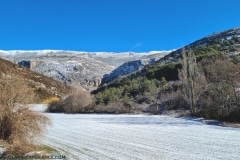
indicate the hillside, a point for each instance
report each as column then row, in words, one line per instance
column 227, row 41
column 126, row 69
column 80, row 68
column 157, row 85
column 43, row 87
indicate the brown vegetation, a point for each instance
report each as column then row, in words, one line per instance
column 19, row 126
column 223, row 100
column 79, row 101
column 212, row 93
column 113, row 108
column 43, row 87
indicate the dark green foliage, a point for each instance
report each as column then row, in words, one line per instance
column 130, row 89
column 234, row 115
column 154, row 86
column 169, row 71
column 205, row 50
column 236, row 59
column 235, row 39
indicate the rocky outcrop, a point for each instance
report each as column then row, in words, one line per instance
column 82, row 68
column 88, row 68
column 125, row 69
column 28, row 63
column 33, row 64
column 78, row 72
column 24, row 63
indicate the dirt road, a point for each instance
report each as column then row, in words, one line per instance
column 140, row 137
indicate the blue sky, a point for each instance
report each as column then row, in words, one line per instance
column 112, row 25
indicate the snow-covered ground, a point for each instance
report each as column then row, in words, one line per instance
column 38, row 107
column 90, row 136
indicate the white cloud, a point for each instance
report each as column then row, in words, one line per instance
column 138, row 44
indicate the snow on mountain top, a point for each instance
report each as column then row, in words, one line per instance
column 87, row 67
column 39, row 52
column 163, row 51
column 48, row 51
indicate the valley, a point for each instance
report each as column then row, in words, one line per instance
column 85, row 69
column 120, row 80
column 124, row 88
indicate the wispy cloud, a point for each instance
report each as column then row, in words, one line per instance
column 138, row 44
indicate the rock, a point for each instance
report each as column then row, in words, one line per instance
column 125, row 69
column 82, row 68
column 1, row 149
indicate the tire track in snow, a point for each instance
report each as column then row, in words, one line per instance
column 140, row 137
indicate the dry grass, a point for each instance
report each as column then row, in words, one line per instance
column 44, row 86
column 19, row 126
column 46, row 149
column 228, row 124
column 50, row 100
column 114, row 107
column 79, row 101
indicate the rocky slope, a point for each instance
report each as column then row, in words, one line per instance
column 43, row 86
column 226, row 42
column 90, row 69
column 224, row 39
column 125, row 69
column 82, row 68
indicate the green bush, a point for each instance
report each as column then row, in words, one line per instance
column 234, row 115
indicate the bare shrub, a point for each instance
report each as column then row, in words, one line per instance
column 79, row 101
column 221, row 101
column 174, row 101
column 192, row 81
column 56, row 107
column 169, row 101
column 114, row 107
column 50, row 100
column 19, row 126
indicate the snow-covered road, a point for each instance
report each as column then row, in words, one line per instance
column 90, row 136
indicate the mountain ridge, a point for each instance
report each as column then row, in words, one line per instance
column 90, row 69
column 209, row 39
column 77, row 68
